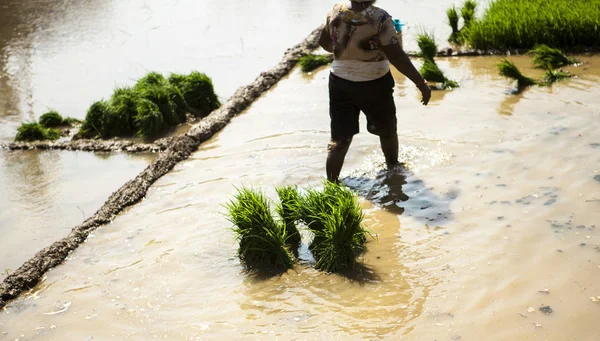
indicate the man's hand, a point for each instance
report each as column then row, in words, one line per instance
column 425, row 92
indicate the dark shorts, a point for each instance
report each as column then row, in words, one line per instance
column 374, row 98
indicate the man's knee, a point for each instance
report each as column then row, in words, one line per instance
column 339, row 144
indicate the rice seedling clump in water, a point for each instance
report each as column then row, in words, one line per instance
column 287, row 209
column 311, row 62
column 544, row 56
column 262, row 240
column 552, row 76
column 430, row 70
column 335, row 218
column 28, row 132
column 509, row 70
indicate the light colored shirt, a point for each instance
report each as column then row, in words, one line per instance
column 358, row 38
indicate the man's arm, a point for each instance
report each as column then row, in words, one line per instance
column 325, row 40
column 400, row 60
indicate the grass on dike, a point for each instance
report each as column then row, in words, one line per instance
column 511, row 24
column 262, row 240
column 151, row 106
column 311, row 62
column 34, row 131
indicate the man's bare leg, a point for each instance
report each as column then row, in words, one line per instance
column 389, row 147
column 337, row 150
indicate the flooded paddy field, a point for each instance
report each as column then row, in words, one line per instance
column 491, row 233
column 65, row 54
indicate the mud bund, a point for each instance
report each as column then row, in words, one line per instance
column 174, row 150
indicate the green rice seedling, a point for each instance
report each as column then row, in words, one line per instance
column 512, row 24
column 123, row 104
column 468, row 13
column 287, row 209
column 148, row 121
column 509, row 70
column 552, row 76
column 34, row 131
column 431, row 71
column 427, row 45
column 311, row 62
column 93, row 125
column 160, row 95
column 544, row 56
column 51, row 119
column 453, row 18
column 449, row 84
column 70, row 121
column 262, row 241
column 198, row 92
column 151, row 78
column 335, row 218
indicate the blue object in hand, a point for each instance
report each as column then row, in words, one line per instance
column 398, row 25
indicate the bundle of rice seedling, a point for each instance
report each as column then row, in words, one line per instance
column 543, row 55
column 287, row 209
column 335, row 218
column 431, row 72
column 123, row 103
column 33, row 131
column 51, row 119
column 552, row 76
column 509, row 70
column 198, row 92
column 427, row 45
column 468, row 13
column 93, row 125
column 149, row 121
column 262, row 241
column 453, row 19
column 311, row 62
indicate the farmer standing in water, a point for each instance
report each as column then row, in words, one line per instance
column 363, row 40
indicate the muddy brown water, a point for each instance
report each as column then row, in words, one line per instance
column 66, row 54
column 496, row 217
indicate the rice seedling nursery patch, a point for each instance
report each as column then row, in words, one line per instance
column 332, row 215
column 514, row 24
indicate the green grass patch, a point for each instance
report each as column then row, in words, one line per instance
column 453, row 19
column 34, row 131
column 335, row 218
column 545, row 56
column 512, row 24
column 151, row 107
column 311, row 62
column 262, row 240
column 509, row 70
